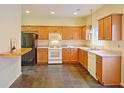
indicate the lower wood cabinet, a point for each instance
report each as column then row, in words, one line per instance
column 42, row 55
column 108, row 70
column 80, row 56
column 69, row 55
column 83, row 58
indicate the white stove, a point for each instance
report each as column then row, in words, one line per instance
column 55, row 55
column 55, row 50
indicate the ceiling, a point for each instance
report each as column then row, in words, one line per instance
column 61, row 10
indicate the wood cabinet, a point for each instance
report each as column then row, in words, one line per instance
column 68, row 32
column 43, row 33
column 42, row 55
column 30, row 28
column 66, row 55
column 85, row 32
column 101, row 29
column 69, row 55
column 71, row 33
column 80, row 55
column 110, row 27
column 55, row 29
column 74, row 54
column 83, row 58
column 108, row 70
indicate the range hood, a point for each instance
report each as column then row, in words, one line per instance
column 55, row 36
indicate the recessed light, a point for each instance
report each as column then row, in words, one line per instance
column 52, row 12
column 75, row 13
column 27, row 11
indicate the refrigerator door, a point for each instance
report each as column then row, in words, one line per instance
column 28, row 41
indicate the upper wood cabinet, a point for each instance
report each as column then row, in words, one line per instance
column 110, row 27
column 43, row 33
column 30, row 28
column 55, row 29
column 68, row 32
column 71, row 33
column 101, row 29
column 85, row 32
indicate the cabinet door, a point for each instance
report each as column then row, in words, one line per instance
column 76, row 33
column 108, row 28
column 42, row 56
column 30, row 28
column 67, row 33
column 99, row 70
column 83, row 33
column 55, row 29
column 101, row 29
column 66, row 55
column 43, row 33
column 74, row 54
column 25, row 28
column 85, row 59
column 80, row 55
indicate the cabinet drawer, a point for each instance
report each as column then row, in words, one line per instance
column 98, row 58
column 42, row 49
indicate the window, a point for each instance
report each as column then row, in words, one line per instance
column 95, row 40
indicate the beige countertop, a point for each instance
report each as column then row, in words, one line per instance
column 103, row 53
column 18, row 52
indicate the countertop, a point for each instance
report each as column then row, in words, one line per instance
column 18, row 52
column 103, row 53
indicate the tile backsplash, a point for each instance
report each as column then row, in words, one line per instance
column 112, row 45
column 109, row 45
column 45, row 43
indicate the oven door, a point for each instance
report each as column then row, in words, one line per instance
column 55, row 54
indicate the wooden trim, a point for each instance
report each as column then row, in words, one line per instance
column 49, row 26
column 110, row 15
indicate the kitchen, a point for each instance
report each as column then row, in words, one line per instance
column 80, row 38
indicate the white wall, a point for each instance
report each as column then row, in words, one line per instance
column 112, row 45
column 10, row 24
column 51, row 21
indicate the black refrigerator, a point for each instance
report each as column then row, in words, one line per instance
column 28, row 40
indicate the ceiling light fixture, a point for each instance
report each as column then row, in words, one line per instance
column 27, row 11
column 75, row 13
column 52, row 12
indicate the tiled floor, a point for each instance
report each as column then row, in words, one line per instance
column 55, row 76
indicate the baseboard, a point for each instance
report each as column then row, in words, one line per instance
column 14, row 79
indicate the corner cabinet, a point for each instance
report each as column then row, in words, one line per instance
column 85, row 32
column 83, row 58
column 108, row 70
column 110, row 27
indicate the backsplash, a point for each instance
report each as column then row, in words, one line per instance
column 108, row 45
column 45, row 43
column 112, row 45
